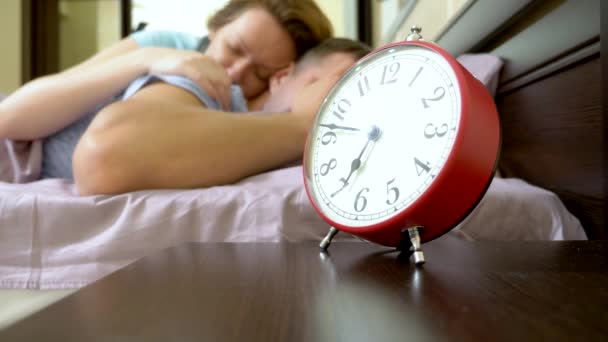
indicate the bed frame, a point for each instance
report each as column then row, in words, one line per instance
column 549, row 97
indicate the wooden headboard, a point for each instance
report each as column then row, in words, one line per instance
column 550, row 102
column 552, row 137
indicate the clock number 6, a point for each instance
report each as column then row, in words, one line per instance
column 435, row 132
column 328, row 166
column 439, row 94
column 361, row 201
column 393, row 190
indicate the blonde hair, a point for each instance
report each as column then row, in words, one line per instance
column 302, row 19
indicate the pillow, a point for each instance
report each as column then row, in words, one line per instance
column 485, row 67
column 514, row 210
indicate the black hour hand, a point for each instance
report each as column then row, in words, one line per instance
column 354, row 166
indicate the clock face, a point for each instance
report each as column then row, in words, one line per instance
column 382, row 135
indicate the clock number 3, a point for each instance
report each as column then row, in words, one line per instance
column 328, row 166
column 439, row 94
column 435, row 132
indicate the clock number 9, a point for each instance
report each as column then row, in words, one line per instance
column 329, row 137
column 439, row 92
column 393, row 190
column 435, row 132
column 361, row 201
column 328, row 166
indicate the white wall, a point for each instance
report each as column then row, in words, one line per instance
column 179, row 15
column 432, row 16
column 108, row 23
column 10, row 36
column 191, row 15
column 335, row 12
column 86, row 27
column 77, row 31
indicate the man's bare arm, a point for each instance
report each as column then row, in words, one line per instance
column 164, row 138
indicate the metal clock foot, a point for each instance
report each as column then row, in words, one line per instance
column 416, row 248
column 324, row 245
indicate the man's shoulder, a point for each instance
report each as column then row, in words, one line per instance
column 239, row 103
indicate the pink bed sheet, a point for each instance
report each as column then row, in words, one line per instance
column 20, row 162
column 52, row 238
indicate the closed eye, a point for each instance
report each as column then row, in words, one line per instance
column 262, row 76
column 235, row 49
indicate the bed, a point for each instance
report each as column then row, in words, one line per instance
column 550, row 182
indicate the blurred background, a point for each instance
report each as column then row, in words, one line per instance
column 46, row 36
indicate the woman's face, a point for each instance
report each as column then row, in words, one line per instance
column 252, row 48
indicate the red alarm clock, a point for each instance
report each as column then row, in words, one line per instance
column 403, row 147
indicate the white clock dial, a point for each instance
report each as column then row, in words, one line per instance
column 383, row 135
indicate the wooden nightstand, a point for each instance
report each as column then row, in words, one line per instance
column 473, row 291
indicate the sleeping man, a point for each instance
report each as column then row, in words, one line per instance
column 168, row 133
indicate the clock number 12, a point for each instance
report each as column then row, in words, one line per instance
column 394, row 69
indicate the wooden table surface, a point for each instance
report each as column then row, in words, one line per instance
column 467, row 291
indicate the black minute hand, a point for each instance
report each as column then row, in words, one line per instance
column 334, row 126
column 373, row 134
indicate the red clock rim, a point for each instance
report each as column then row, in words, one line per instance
column 401, row 217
